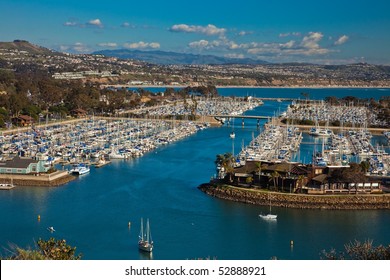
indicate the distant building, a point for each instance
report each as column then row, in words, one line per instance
column 78, row 113
column 23, row 120
column 19, row 165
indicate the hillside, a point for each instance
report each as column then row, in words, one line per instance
column 162, row 57
column 22, row 45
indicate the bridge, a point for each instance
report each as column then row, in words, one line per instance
column 241, row 117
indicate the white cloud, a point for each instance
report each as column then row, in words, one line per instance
column 342, row 40
column 108, row 45
column 311, row 41
column 288, row 45
column 80, row 47
column 128, row 25
column 95, row 22
column 70, row 23
column 243, row 33
column 202, row 44
column 288, row 34
column 154, row 45
column 75, row 48
column 210, row 30
column 64, row 48
column 142, row 45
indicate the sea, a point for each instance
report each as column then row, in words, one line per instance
column 99, row 213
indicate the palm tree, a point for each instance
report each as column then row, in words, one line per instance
column 225, row 161
column 300, row 180
column 274, row 176
column 365, row 166
column 258, row 166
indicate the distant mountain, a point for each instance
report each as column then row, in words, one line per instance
column 162, row 57
column 22, row 45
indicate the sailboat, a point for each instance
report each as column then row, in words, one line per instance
column 145, row 242
column 269, row 216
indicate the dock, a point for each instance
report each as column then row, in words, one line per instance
column 101, row 164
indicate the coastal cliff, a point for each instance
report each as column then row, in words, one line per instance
column 332, row 202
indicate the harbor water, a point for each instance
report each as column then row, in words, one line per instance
column 100, row 212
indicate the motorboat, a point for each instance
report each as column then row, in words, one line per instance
column 51, row 229
column 80, row 169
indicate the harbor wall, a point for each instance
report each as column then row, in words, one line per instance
column 45, row 180
column 302, row 201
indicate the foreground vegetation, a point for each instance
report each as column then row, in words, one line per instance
column 51, row 249
column 358, row 250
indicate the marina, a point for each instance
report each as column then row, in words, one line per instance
column 162, row 185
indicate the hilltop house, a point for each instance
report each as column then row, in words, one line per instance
column 19, row 165
column 23, row 120
column 78, row 113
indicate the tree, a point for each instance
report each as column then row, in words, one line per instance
column 258, row 168
column 249, row 180
column 300, row 181
column 51, row 249
column 275, row 178
column 365, row 166
column 226, row 161
column 359, row 251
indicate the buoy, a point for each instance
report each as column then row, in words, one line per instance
column 291, row 242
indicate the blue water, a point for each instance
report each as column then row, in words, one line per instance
column 93, row 212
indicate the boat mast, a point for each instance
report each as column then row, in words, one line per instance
column 147, row 230
column 142, row 229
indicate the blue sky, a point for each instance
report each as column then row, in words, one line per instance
column 326, row 32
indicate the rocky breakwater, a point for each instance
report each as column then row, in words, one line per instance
column 333, row 202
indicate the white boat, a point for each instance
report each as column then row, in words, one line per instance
column 6, row 186
column 51, row 229
column 232, row 135
column 117, row 155
column 80, row 169
column 145, row 242
column 268, row 216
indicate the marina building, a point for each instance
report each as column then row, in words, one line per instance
column 19, row 165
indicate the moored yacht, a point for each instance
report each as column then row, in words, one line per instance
column 80, row 169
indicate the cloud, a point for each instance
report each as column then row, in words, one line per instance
column 70, row 23
column 75, row 48
column 222, row 44
column 308, row 46
column 95, row 22
column 243, row 33
column 311, row 41
column 202, row 44
column 296, row 34
column 342, row 40
column 127, row 25
column 108, row 45
column 209, row 30
column 142, row 45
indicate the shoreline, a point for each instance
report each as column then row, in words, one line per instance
column 299, row 201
